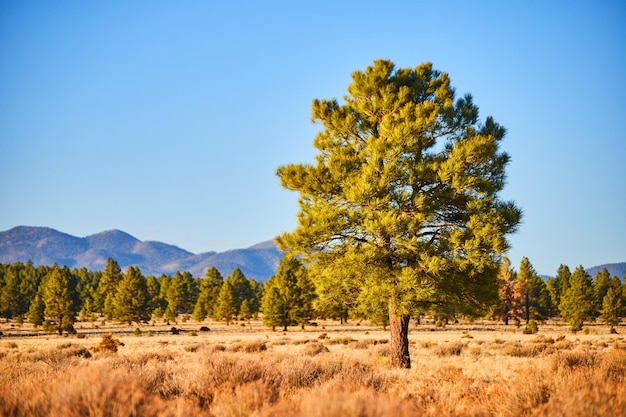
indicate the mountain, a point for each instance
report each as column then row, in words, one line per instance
column 616, row 270
column 45, row 246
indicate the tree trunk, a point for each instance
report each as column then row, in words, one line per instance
column 399, row 326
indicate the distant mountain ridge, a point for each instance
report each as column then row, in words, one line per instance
column 46, row 246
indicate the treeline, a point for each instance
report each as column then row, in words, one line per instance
column 574, row 296
column 55, row 297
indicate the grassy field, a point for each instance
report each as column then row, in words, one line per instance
column 479, row 369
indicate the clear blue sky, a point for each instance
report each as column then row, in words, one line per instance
column 168, row 119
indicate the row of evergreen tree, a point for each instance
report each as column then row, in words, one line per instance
column 55, row 297
column 575, row 297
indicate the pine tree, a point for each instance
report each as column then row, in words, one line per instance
column 241, row 289
column 600, row 288
column 10, row 293
column 36, row 311
column 611, row 307
column 577, row 302
column 404, row 195
column 107, row 287
column 563, row 275
column 226, row 307
column 131, row 298
column 273, row 307
column 59, row 296
column 510, row 292
column 535, row 296
column 293, row 295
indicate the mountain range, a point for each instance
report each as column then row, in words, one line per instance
column 46, row 246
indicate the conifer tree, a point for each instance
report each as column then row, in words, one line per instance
column 577, row 302
column 59, row 297
column 600, row 288
column 563, row 275
column 535, row 296
column 10, row 293
column 111, row 276
column 290, row 293
column 510, row 292
column 611, row 307
column 209, row 289
column 226, row 307
column 36, row 311
column 131, row 298
column 405, row 188
column 273, row 307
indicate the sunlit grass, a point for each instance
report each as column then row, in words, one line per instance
column 329, row 370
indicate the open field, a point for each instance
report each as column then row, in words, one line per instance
column 479, row 369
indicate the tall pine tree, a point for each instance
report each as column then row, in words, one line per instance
column 405, row 188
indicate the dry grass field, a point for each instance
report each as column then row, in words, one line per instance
column 479, row 369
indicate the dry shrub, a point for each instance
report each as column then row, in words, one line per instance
column 341, row 340
column 88, row 392
column 451, row 349
column 313, row 349
column 248, row 347
column 573, row 360
column 341, row 399
column 526, row 350
column 108, row 344
column 242, row 401
column 587, row 384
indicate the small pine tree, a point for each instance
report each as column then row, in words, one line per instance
column 59, row 294
column 131, row 299
column 36, row 311
column 244, row 311
column 577, row 301
column 273, row 307
column 226, row 308
column 611, row 307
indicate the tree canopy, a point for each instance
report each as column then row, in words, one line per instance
column 403, row 195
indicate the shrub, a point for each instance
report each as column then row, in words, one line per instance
column 248, row 347
column 108, row 344
column 452, row 349
column 341, row 341
column 531, row 327
column 313, row 349
column 137, row 332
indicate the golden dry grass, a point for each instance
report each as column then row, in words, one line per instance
column 329, row 370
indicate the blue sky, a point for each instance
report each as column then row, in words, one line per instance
column 168, row 119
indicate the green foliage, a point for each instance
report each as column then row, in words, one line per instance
column 107, row 287
column 131, row 298
column 577, row 304
column 405, row 186
column 59, row 297
column 535, row 295
column 531, row 327
column 600, row 288
column 36, row 311
column 226, row 308
column 288, row 296
column 209, row 289
column 612, row 303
